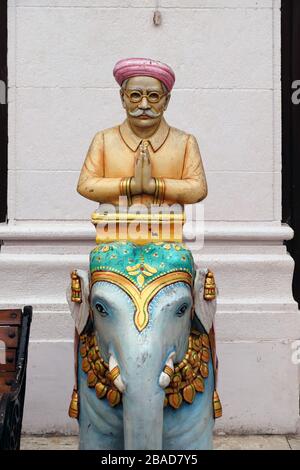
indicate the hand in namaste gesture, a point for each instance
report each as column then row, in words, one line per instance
column 142, row 182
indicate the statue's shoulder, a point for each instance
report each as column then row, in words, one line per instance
column 109, row 132
column 179, row 134
column 106, row 137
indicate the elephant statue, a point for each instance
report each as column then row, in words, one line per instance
column 146, row 365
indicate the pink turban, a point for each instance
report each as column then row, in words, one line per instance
column 133, row 67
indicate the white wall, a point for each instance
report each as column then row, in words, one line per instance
column 62, row 55
column 226, row 55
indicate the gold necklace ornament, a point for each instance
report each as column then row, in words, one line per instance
column 187, row 379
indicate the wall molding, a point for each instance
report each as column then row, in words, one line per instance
column 259, row 232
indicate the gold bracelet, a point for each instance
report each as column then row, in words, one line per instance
column 128, row 190
column 163, row 190
column 155, row 191
column 125, row 189
column 159, row 193
column 122, row 187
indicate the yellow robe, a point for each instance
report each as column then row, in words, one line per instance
column 174, row 156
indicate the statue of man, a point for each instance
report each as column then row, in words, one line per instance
column 143, row 277
column 143, row 158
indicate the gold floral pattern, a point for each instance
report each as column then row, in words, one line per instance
column 141, row 270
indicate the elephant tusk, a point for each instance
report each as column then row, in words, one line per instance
column 115, row 374
column 167, row 373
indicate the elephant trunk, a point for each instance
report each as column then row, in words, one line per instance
column 143, row 420
column 143, row 405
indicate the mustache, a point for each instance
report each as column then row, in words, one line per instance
column 146, row 112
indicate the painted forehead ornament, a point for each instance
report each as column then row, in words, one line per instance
column 141, row 270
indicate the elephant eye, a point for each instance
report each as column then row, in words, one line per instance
column 181, row 311
column 101, row 309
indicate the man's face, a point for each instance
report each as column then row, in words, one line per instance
column 144, row 111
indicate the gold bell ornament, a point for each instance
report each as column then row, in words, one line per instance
column 75, row 288
column 209, row 287
column 74, row 405
column 217, row 405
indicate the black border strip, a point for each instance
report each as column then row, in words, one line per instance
column 290, row 33
column 3, row 112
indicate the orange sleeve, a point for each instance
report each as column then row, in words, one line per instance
column 192, row 187
column 92, row 184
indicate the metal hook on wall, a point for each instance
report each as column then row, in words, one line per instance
column 157, row 18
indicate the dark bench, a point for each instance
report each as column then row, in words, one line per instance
column 14, row 333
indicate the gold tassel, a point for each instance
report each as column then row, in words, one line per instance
column 76, row 288
column 74, row 405
column 217, row 405
column 209, row 287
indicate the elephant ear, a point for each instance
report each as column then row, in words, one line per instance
column 205, row 310
column 80, row 311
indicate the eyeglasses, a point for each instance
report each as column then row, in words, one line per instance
column 136, row 96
